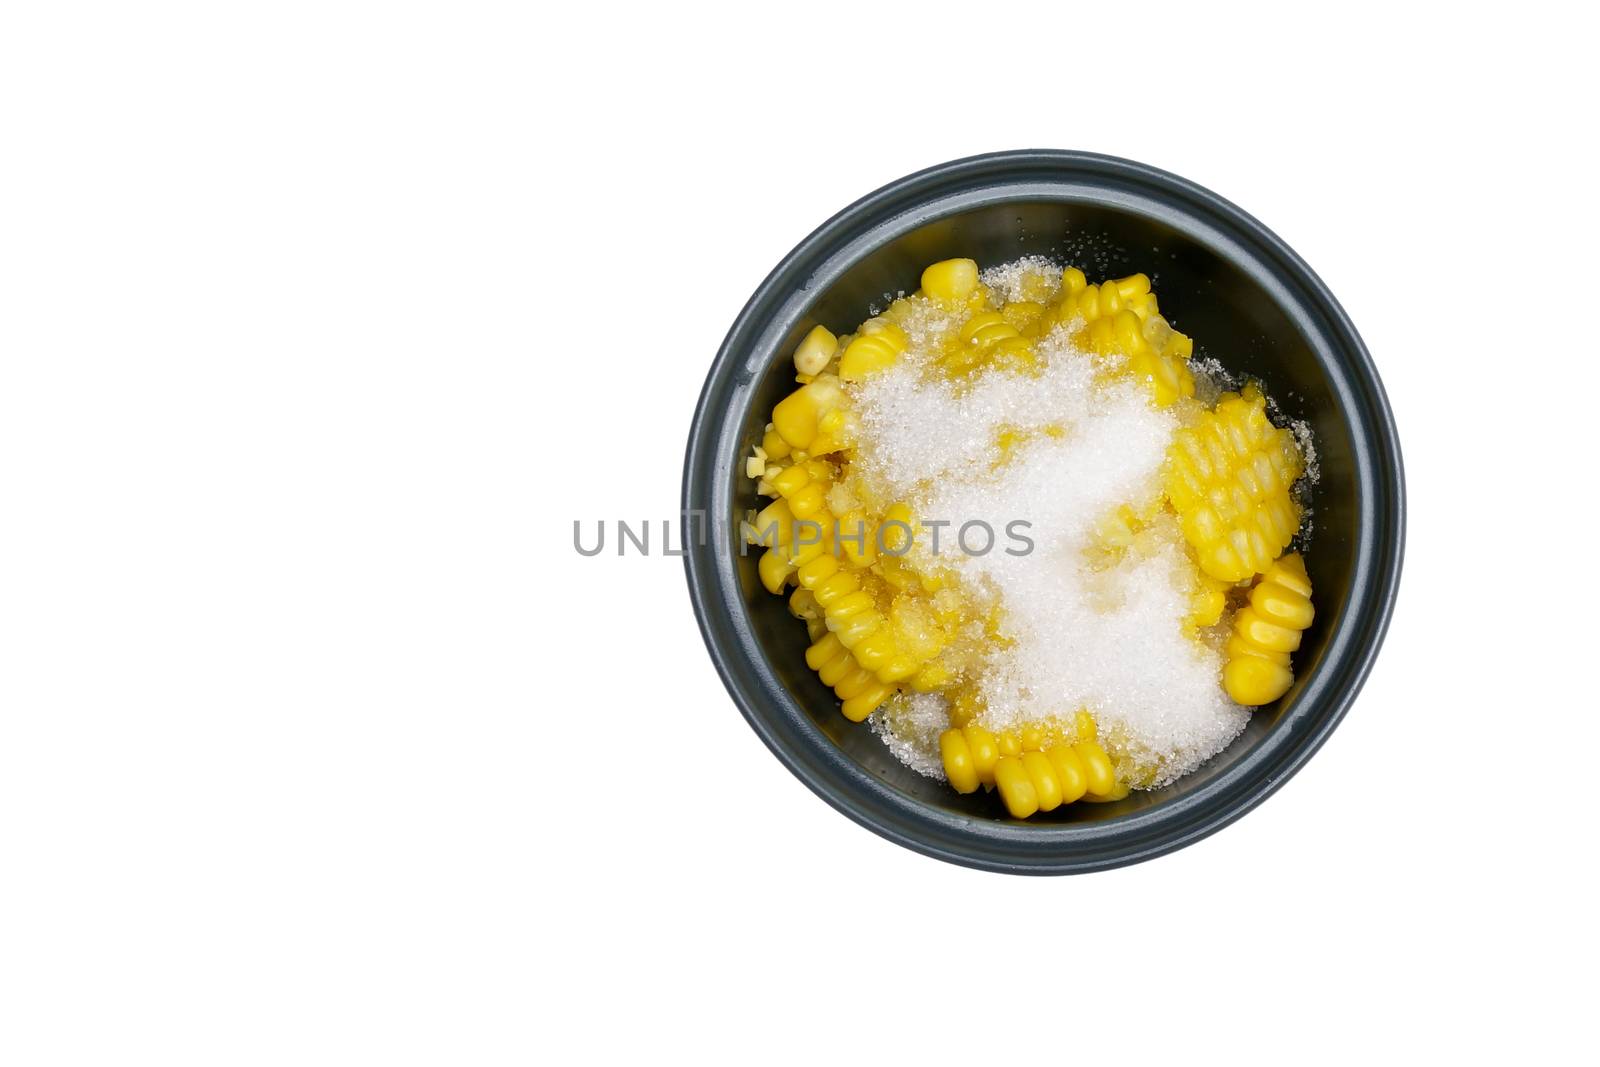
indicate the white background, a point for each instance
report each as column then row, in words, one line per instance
column 322, row 322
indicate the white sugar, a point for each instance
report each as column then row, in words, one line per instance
column 1308, row 450
column 1111, row 639
column 909, row 726
column 1008, row 281
column 1211, row 379
column 1113, row 643
column 919, row 428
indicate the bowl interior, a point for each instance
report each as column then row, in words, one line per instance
column 1232, row 316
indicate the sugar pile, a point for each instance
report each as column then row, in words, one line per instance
column 909, row 726
column 1108, row 639
column 917, row 429
column 1010, row 281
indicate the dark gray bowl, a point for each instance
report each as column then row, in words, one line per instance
column 1224, row 279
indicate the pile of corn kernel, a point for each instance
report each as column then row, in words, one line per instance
column 1133, row 596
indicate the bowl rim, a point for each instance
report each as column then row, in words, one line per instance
column 1022, row 176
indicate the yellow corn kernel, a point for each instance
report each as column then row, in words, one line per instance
column 898, row 669
column 875, row 650
column 1102, row 778
column 1253, row 681
column 1117, row 792
column 1072, row 775
column 863, row 704
column 810, row 503
column 837, row 584
column 836, row 430
column 895, row 573
column 840, row 585
column 1237, row 646
column 933, row 677
column 989, row 340
column 857, row 543
column 803, row 605
column 959, row 766
column 818, row 571
column 1041, row 772
column 901, row 667
column 774, row 569
column 811, row 541
column 950, row 281
column 852, row 604
column 1026, row 317
column 773, row 525
column 855, row 628
column 1117, row 528
column 1229, row 478
column 837, row 669
column 823, row 651
column 1131, row 286
column 773, row 444
column 969, row 755
column 854, row 684
column 1283, row 593
column 796, row 415
column 819, row 469
column 897, row 530
column 1266, row 632
column 1206, row 604
column 985, row 328
column 791, row 480
column 871, row 352
column 815, row 351
column 1017, row 788
column 1288, row 574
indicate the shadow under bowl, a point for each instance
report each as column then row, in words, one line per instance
column 1222, row 278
